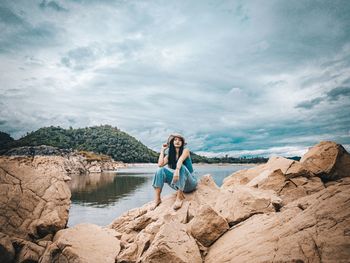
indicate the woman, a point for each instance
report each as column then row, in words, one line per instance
column 179, row 174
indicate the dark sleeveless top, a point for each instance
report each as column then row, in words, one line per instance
column 188, row 163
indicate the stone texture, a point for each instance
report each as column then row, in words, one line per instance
column 173, row 244
column 289, row 179
column 240, row 202
column 314, row 228
column 34, row 202
column 34, row 196
column 328, row 160
column 208, row 225
column 7, row 251
column 83, row 243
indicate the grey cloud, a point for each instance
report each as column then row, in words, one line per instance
column 338, row 92
column 224, row 73
column 52, row 5
column 310, row 103
column 9, row 17
column 29, row 36
column 79, row 58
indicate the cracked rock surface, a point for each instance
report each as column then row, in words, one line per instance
column 280, row 211
column 34, row 202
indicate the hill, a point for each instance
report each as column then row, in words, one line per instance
column 103, row 139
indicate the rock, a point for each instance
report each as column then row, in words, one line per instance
column 44, row 150
column 328, row 160
column 288, row 178
column 289, row 169
column 140, row 225
column 314, row 228
column 28, row 251
column 83, row 243
column 133, row 251
column 75, row 162
column 287, row 189
column 208, row 225
column 240, row 202
column 7, row 251
column 173, row 244
column 34, row 202
column 34, row 196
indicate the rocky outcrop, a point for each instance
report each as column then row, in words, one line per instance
column 327, row 160
column 43, row 150
column 276, row 212
column 314, row 228
column 173, row 244
column 83, row 243
column 289, row 179
column 281, row 211
column 34, row 203
column 76, row 162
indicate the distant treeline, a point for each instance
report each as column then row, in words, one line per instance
column 103, row 139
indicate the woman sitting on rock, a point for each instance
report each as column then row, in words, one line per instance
column 179, row 174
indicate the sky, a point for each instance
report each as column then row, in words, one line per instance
column 242, row 78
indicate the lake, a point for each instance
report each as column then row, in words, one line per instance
column 99, row 198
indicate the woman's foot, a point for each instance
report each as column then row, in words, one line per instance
column 178, row 203
column 155, row 204
column 179, row 200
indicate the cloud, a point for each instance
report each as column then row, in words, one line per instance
column 338, row 92
column 52, row 5
column 332, row 95
column 286, row 151
column 231, row 76
column 309, row 104
column 9, row 17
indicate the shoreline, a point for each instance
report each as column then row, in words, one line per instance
column 202, row 164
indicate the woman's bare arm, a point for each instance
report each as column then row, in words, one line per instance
column 165, row 161
column 161, row 159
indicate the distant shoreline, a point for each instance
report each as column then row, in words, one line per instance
column 218, row 164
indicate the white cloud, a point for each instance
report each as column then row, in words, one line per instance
column 227, row 73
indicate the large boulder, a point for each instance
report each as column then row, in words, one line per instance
column 328, row 160
column 173, row 244
column 34, row 202
column 139, row 226
column 289, row 168
column 208, row 225
column 314, row 228
column 289, row 179
column 34, row 196
column 83, row 243
column 240, row 202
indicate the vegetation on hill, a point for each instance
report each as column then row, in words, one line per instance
column 5, row 140
column 102, row 141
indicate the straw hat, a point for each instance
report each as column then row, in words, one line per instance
column 171, row 136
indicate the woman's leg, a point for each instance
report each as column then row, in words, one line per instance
column 181, row 185
column 161, row 176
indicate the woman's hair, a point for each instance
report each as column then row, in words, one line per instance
column 172, row 153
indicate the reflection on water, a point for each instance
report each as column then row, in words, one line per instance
column 104, row 188
column 101, row 197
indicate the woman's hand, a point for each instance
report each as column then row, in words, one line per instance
column 175, row 176
column 165, row 146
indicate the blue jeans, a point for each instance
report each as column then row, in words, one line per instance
column 187, row 182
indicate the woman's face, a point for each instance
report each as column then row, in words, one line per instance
column 177, row 142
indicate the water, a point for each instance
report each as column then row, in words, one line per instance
column 99, row 198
